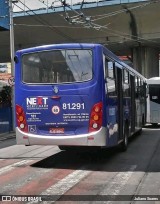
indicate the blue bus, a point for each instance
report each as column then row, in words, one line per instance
column 76, row 95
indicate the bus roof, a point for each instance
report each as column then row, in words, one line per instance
column 153, row 80
column 59, row 46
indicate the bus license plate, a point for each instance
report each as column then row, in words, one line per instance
column 56, row 130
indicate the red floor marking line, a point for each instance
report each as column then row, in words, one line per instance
column 6, row 162
column 12, row 175
column 65, row 184
column 13, row 166
column 88, row 186
column 37, row 186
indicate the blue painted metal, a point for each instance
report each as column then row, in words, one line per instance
column 4, row 15
column 5, row 119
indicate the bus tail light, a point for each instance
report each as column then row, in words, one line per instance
column 95, row 122
column 21, row 119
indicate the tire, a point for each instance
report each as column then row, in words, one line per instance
column 124, row 144
column 143, row 121
column 154, row 124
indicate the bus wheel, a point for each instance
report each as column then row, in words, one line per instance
column 143, row 121
column 124, row 144
column 154, row 124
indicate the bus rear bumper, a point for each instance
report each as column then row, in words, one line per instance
column 97, row 138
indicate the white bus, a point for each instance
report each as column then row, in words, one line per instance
column 153, row 100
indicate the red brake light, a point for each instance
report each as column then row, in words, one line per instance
column 97, row 108
column 95, row 122
column 96, row 117
column 21, row 119
column 19, row 109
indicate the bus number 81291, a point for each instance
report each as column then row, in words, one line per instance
column 106, row 97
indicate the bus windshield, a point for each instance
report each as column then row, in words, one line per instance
column 57, row 66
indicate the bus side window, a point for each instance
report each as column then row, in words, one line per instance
column 110, row 77
column 125, row 76
column 141, row 88
column 136, row 87
column 126, row 83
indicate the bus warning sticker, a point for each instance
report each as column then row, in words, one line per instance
column 55, row 110
column 32, row 128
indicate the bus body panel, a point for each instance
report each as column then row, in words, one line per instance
column 112, row 122
column 69, row 112
column 154, row 112
column 92, row 139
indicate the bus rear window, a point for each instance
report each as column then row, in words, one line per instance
column 154, row 92
column 57, row 66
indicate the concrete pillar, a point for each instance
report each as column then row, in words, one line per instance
column 146, row 61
